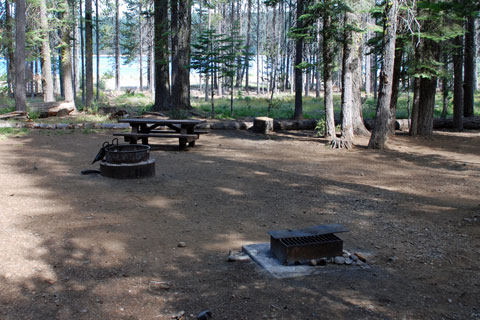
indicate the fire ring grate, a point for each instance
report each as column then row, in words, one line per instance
column 315, row 242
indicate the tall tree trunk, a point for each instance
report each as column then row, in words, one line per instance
column 468, row 86
column 180, row 97
column 397, row 67
column 58, row 76
column 258, row 47
column 428, row 88
column 140, row 35
column 375, row 77
column 117, row 45
column 382, row 124
column 161, row 55
column 357, row 119
column 328, row 66
column 9, row 41
column 368, row 69
column 46, row 57
column 445, row 86
column 458, row 83
column 151, row 68
column 66, row 52
column 221, row 29
column 415, row 107
column 317, row 68
column 247, row 49
column 350, row 64
column 88, row 53
column 207, row 74
column 307, row 74
column 232, row 26
column 97, row 38
column 298, row 113
column 82, row 50
column 74, row 51
column 20, row 84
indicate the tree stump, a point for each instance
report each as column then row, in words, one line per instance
column 263, row 125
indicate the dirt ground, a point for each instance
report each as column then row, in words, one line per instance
column 87, row 247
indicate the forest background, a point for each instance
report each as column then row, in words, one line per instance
column 331, row 60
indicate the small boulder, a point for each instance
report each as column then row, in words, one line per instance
column 158, row 285
column 339, row 260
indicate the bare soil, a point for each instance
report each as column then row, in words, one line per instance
column 87, row 247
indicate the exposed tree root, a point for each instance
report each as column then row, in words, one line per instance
column 339, row 143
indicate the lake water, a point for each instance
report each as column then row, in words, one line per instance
column 129, row 73
column 107, row 65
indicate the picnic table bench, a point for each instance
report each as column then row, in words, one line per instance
column 144, row 128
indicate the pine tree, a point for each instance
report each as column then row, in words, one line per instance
column 383, row 118
column 20, row 86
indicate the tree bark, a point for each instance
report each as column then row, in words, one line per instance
column 97, row 38
column 328, row 65
column 458, row 107
column 247, row 49
column 382, row 124
column 428, row 88
column 207, row 91
column 161, row 55
column 180, row 97
column 415, row 107
column 82, row 50
column 140, row 35
column 468, row 86
column 47, row 80
column 20, row 85
column 117, row 45
column 66, row 53
column 358, row 123
column 9, row 41
column 258, row 47
column 445, row 86
column 88, row 53
column 151, row 68
column 350, row 63
column 298, row 113
column 397, row 67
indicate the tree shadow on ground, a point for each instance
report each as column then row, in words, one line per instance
column 102, row 241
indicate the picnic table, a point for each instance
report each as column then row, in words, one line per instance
column 144, row 128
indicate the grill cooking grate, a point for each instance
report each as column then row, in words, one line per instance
column 311, row 243
column 298, row 241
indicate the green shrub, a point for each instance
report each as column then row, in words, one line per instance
column 33, row 115
column 320, row 127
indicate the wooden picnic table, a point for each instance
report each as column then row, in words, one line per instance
column 144, row 128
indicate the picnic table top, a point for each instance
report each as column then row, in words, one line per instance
column 160, row 121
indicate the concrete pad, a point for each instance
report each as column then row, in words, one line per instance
column 260, row 253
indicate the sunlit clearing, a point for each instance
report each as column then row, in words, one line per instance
column 229, row 191
column 260, row 173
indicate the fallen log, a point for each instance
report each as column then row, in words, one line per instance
column 472, row 123
column 294, row 124
column 62, row 109
column 13, row 115
column 400, row 124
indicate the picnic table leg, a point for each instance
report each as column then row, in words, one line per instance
column 182, row 143
column 132, row 140
column 190, row 130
